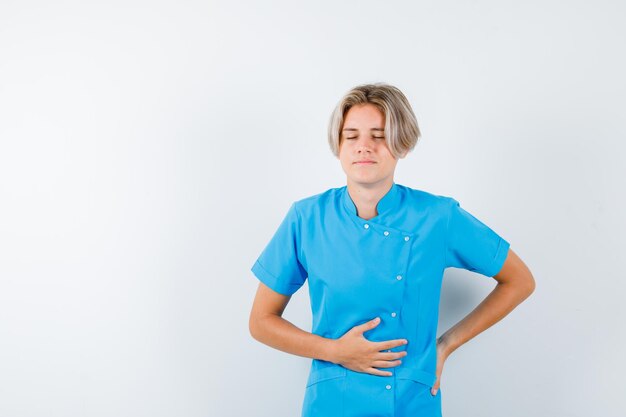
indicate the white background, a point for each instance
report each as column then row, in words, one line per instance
column 149, row 150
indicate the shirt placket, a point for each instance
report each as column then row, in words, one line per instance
column 398, row 243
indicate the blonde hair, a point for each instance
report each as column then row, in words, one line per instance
column 401, row 129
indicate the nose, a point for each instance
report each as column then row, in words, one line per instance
column 363, row 145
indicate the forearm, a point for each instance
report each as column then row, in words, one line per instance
column 500, row 302
column 275, row 331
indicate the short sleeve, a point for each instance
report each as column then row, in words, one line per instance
column 471, row 244
column 278, row 266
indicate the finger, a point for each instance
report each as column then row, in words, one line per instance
column 375, row 371
column 387, row 364
column 361, row 328
column 389, row 344
column 435, row 387
column 389, row 356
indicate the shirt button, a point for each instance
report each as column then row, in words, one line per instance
column 366, row 226
column 393, row 314
column 399, row 277
column 388, row 387
column 406, row 238
column 386, row 233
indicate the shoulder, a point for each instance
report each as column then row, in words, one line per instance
column 423, row 199
column 313, row 203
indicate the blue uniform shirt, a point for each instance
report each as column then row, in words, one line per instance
column 391, row 267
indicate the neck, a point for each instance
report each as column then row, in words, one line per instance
column 366, row 196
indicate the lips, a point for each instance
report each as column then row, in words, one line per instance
column 364, row 162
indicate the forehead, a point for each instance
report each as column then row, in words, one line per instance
column 364, row 116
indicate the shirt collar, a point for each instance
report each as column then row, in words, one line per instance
column 388, row 203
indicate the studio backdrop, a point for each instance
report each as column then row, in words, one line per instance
column 149, row 150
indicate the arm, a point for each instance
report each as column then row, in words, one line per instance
column 515, row 284
column 352, row 350
column 267, row 326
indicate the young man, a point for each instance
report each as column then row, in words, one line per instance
column 374, row 253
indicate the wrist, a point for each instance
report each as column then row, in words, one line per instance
column 445, row 344
column 329, row 350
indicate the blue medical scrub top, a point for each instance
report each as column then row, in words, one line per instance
column 391, row 267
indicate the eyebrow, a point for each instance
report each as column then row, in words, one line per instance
column 374, row 128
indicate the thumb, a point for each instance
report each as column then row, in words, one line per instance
column 435, row 387
column 369, row 325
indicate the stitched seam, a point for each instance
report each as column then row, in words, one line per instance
column 295, row 207
column 299, row 231
column 445, row 243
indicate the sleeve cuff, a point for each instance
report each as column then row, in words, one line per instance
column 498, row 261
column 271, row 281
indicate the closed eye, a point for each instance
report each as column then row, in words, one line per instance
column 375, row 137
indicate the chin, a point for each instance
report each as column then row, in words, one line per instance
column 365, row 179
